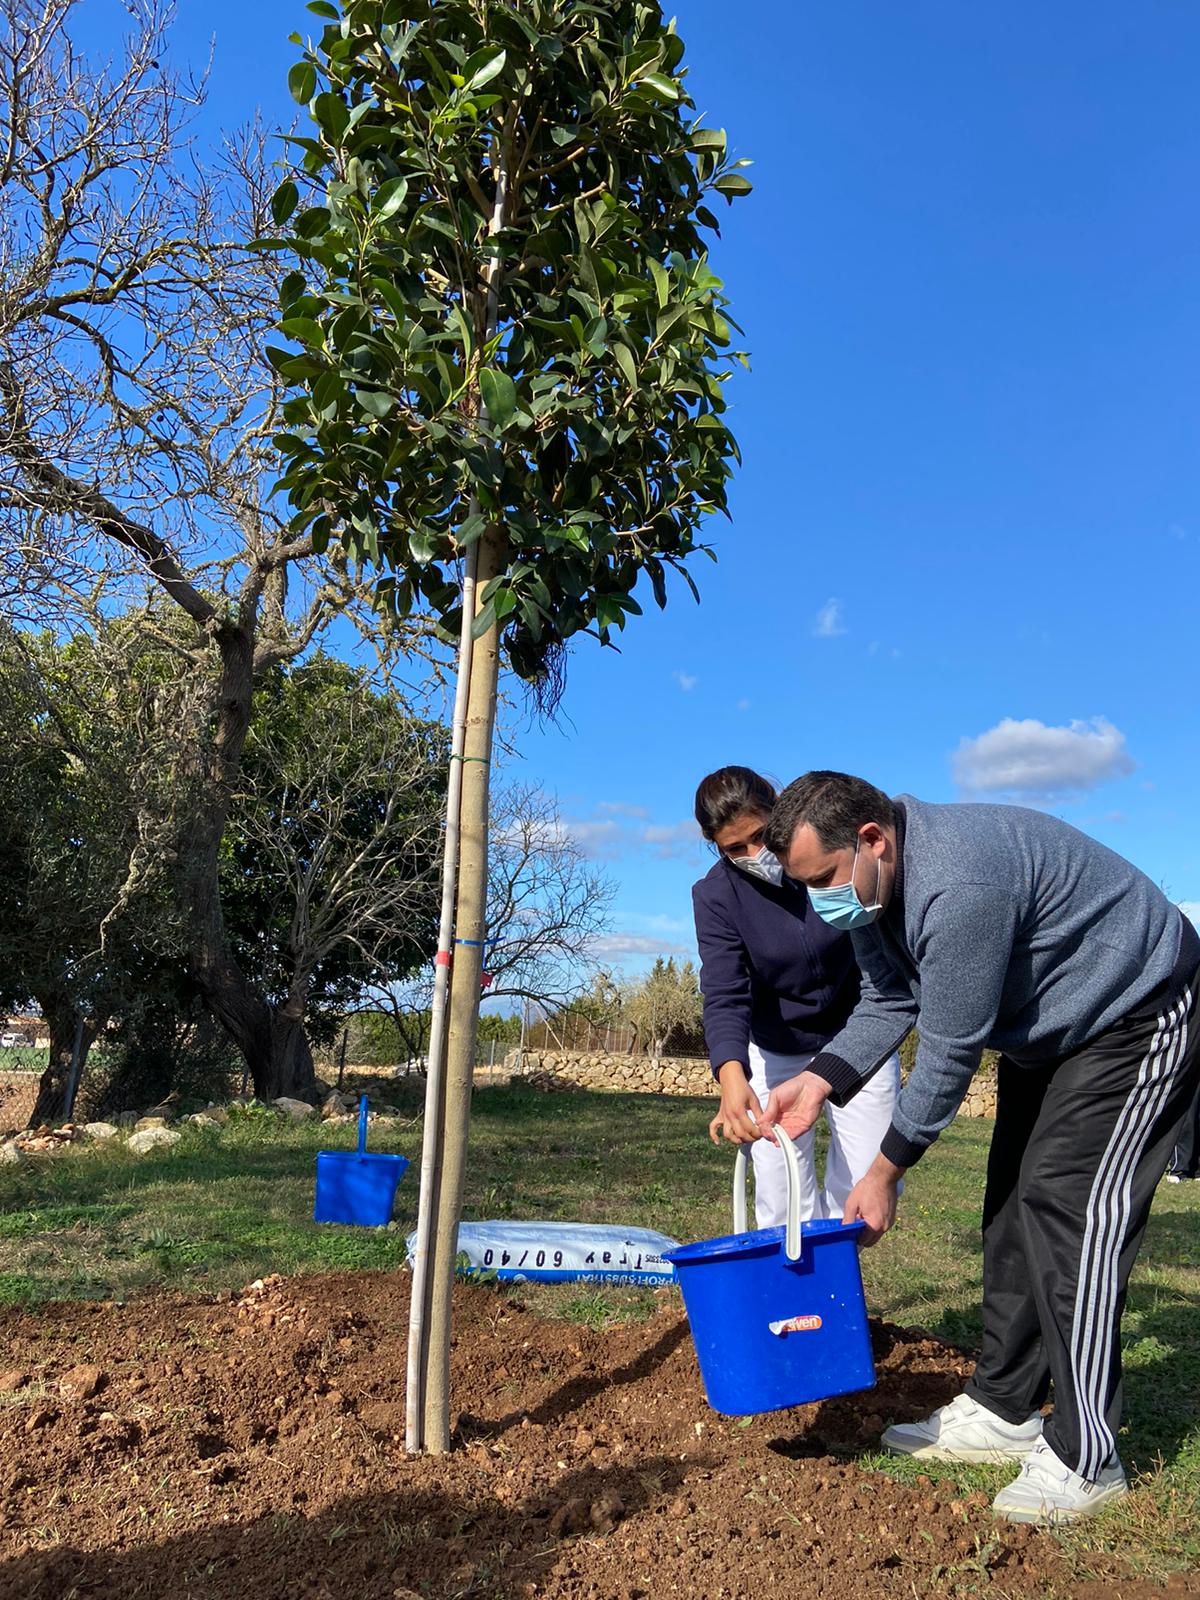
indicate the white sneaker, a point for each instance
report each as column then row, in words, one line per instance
column 1047, row 1492
column 964, row 1430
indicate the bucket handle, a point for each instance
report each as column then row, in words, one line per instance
column 362, row 1125
column 792, row 1242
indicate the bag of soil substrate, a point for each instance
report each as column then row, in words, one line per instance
column 561, row 1252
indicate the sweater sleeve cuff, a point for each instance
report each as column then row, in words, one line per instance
column 841, row 1077
column 901, row 1150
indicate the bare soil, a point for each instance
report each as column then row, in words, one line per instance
column 252, row 1448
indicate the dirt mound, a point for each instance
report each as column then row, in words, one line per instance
column 252, row 1448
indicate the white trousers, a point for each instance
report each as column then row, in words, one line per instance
column 855, row 1133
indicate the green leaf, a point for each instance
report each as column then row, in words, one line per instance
column 332, row 114
column 499, row 396
column 623, row 356
column 284, row 201
column 478, row 72
column 388, row 199
column 374, row 401
column 707, row 139
column 303, row 330
column 662, row 283
column 322, row 8
column 732, row 183
column 302, row 81
column 663, row 86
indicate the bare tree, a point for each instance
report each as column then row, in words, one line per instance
column 137, row 411
column 548, row 904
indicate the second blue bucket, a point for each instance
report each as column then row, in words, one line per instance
column 777, row 1315
column 357, row 1187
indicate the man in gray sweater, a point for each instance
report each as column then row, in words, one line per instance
column 984, row 925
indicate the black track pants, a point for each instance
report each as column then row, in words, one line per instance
column 1186, row 1160
column 1078, row 1150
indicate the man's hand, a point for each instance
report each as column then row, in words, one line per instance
column 795, row 1105
column 873, row 1199
column 738, row 1101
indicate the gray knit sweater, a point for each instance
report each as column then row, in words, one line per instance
column 1007, row 928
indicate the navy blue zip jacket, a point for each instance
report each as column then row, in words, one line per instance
column 770, row 970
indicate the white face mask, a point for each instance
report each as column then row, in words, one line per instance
column 763, row 864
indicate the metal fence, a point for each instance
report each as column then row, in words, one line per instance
column 21, row 1070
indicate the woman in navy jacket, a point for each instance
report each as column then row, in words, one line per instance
column 778, row 983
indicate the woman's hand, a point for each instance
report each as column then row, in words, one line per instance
column 795, row 1105
column 739, row 1107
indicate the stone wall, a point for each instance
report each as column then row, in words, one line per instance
column 545, row 1069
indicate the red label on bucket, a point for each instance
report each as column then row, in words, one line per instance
column 807, row 1324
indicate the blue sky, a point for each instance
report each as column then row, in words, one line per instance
column 965, row 544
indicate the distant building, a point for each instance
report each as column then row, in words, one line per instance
column 28, row 1031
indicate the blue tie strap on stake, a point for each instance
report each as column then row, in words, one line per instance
column 777, row 1315
column 356, row 1187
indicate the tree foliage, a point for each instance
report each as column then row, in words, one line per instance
column 505, row 316
column 329, row 869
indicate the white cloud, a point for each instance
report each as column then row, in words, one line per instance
column 1191, row 910
column 614, row 946
column 596, row 838
column 672, row 840
column 619, row 808
column 660, row 922
column 829, row 622
column 1029, row 759
column 685, row 681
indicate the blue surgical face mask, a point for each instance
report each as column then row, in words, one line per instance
column 763, row 864
column 840, row 906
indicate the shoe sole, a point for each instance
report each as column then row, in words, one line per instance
column 935, row 1452
column 1055, row 1516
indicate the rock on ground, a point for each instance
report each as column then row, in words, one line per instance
column 82, row 1382
column 147, row 1139
column 298, row 1110
column 101, row 1130
column 10, row 1155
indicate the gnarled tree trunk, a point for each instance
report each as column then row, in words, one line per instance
column 271, row 1038
column 63, row 1020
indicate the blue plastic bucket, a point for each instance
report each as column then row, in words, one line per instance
column 355, row 1187
column 770, row 1331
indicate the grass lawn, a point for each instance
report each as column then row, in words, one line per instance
column 224, row 1207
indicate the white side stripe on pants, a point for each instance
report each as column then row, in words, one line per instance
column 1107, row 1216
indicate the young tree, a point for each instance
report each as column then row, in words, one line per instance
column 509, row 352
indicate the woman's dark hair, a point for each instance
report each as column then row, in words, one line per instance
column 729, row 792
column 834, row 805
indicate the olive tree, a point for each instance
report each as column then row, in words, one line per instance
column 137, row 412
column 508, row 352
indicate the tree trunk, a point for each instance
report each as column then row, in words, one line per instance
column 270, row 1038
column 470, row 927
column 62, row 1019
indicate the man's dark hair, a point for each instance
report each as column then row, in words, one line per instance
column 834, row 805
column 729, row 793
